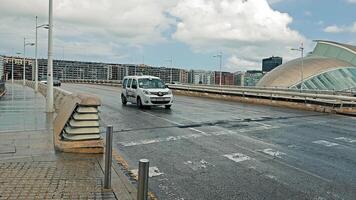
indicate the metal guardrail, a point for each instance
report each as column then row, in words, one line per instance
column 329, row 98
column 350, row 92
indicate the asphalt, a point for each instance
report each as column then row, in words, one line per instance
column 211, row 149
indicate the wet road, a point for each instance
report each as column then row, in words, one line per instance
column 210, row 149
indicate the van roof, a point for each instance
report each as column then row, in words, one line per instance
column 145, row 76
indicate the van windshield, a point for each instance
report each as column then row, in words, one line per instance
column 150, row 83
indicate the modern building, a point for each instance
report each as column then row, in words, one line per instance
column 201, row 77
column 227, row 78
column 331, row 66
column 239, row 78
column 183, row 76
column 6, row 67
column 268, row 64
column 251, row 77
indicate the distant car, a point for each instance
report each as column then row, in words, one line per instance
column 56, row 82
column 146, row 91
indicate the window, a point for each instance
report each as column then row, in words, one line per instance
column 134, row 84
column 150, row 83
column 129, row 83
column 124, row 83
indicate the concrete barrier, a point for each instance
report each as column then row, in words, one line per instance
column 76, row 125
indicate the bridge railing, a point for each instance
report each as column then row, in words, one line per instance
column 332, row 101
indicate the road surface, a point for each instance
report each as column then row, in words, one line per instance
column 211, row 149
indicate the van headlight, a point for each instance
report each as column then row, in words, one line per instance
column 146, row 92
column 169, row 91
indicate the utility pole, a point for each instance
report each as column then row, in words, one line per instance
column 220, row 57
column 301, row 49
column 24, row 61
column 50, row 60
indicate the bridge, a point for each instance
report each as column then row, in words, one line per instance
column 276, row 144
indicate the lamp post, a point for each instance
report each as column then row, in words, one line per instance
column 220, row 57
column 49, row 101
column 24, row 58
column 301, row 49
column 36, row 61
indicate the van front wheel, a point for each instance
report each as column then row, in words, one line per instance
column 168, row 106
column 123, row 100
column 139, row 103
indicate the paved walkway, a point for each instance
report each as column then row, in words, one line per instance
column 29, row 166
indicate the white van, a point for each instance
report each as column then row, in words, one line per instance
column 146, row 91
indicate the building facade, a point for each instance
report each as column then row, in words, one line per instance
column 227, row 78
column 18, row 67
column 201, row 77
column 268, row 64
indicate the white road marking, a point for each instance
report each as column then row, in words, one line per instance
column 273, row 153
column 157, row 140
column 196, row 165
column 325, row 143
column 152, row 172
column 237, row 157
column 349, row 140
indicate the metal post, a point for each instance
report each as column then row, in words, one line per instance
column 143, row 170
column 24, row 64
column 220, row 56
column 171, row 70
column 50, row 60
column 36, row 61
column 108, row 157
column 12, row 70
column 302, row 51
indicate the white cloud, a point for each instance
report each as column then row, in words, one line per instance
column 81, row 22
column 333, row 29
column 237, row 64
column 341, row 29
column 250, row 29
column 245, row 30
column 351, row 1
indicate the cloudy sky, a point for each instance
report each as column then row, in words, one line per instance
column 191, row 31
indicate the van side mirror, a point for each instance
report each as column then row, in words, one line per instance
column 166, row 86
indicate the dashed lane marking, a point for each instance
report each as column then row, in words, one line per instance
column 345, row 139
column 273, row 153
column 152, row 172
column 157, row 140
column 325, row 143
column 237, row 157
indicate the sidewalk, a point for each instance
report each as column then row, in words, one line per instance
column 29, row 166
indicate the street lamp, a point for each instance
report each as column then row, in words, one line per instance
column 12, row 67
column 301, row 49
column 49, row 102
column 220, row 57
column 24, row 58
column 36, row 62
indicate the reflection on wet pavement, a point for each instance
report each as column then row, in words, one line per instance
column 22, row 109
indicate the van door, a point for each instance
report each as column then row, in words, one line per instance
column 134, row 90
column 128, row 90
